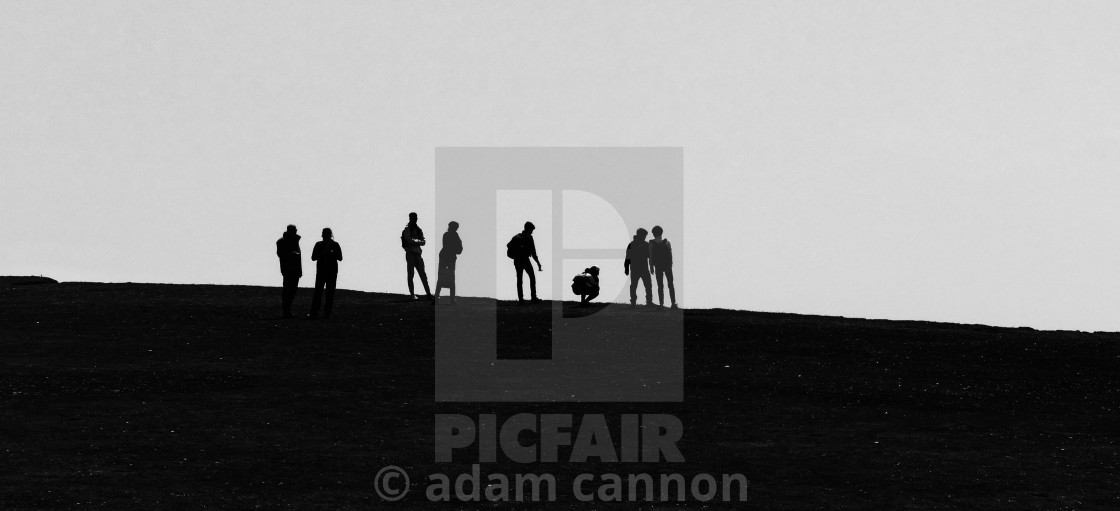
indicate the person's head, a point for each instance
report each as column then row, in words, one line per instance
column 529, row 227
column 453, row 226
column 327, row 234
column 641, row 234
column 594, row 270
column 657, row 230
column 291, row 229
column 412, row 218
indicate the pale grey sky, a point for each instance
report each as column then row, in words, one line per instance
column 949, row 161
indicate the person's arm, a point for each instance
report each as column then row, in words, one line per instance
column 626, row 263
column 458, row 245
column 649, row 257
column 339, row 249
column 279, row 249
column 412, row 237
column 533, row 249
column 315, row 252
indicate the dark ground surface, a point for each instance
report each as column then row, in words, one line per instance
column 141, row 396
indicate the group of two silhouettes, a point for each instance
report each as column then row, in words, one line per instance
column 642, row 259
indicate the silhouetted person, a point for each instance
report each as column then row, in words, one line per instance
column 586, row 285
column 291, row 267
column 661, row 258
column 520, row 249
column 412, row 238
column 452, row 247
column 637, row 266
column 326, row 254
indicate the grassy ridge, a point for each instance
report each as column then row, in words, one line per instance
column 143, row 396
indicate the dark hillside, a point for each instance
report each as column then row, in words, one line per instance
column 143, row 396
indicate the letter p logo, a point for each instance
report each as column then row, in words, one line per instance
column 617, row 354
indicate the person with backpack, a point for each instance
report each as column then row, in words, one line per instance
column 521, row 248
column 412, row 238
column 291, row 267
column 661, row 258
column 452, row 247
column 586, row 285
column 327, row 254
column 637, row 266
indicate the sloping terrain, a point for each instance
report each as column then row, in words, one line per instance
column 144, row 396
column 25, row 281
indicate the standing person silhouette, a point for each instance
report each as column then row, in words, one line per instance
column 637, row 266
column 661, row 258
column 291, row 267
column 327, row 254
column 520, row 249
column 412, row 238
column 452, row 247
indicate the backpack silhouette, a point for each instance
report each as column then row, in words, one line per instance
column 515, row 249
column 587, row 282
column 583, row 284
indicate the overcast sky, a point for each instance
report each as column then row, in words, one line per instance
column 951, row 161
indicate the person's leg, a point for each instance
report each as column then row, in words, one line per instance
column 318, row 296
column 672, row 290
column 423, row 274
column 594, row 293
column 532, row 281
column 330, row 282
column 411, row 270
column 633, row 287
column 517, row 267
column 295, row 290
column 660, row 289
column 441, row 271
column 291, row 283
column 451, row 285
column 649, row 287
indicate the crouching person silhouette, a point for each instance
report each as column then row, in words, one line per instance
column 326, row 254
column 637, row 266
column 291, row 267
column 586, row 285
column 452, row 247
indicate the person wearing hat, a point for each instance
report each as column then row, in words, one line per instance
column 291, row 267
column 520, row 249
column 326, row 254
